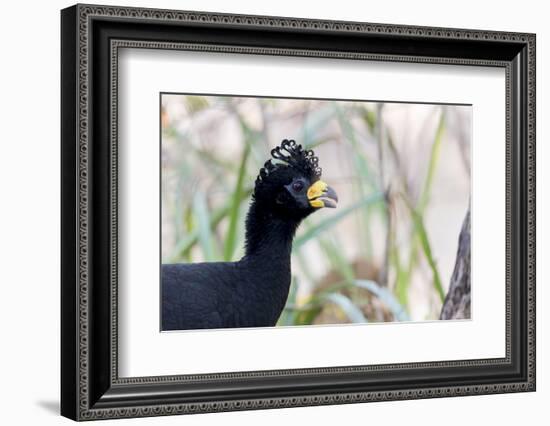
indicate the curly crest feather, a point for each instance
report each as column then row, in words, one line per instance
column 291, row 154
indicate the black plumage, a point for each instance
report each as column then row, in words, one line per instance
column 251, row 292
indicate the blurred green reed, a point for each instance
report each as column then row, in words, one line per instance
column 216, row 233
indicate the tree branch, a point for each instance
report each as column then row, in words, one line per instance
column 457, row 301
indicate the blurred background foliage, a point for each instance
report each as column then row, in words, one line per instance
column 401, row 171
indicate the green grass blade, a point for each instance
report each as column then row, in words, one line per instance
column 347, row 306
column 360, row 160
column 386, row 297
column 303, row 263
column 288, row 316
column 327, row 223
column 202, row 215
column 426, row 248
column 363, row 170
column 333, row 250
column 434, row 157
column 370, row 118
column 234, row 212
column 402, row 278
column 425, row 244
column 423, row 202
column 306, row 315
column 185, row 244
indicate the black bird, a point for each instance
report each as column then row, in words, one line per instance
column 251, row 292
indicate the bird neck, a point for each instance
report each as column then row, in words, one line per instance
column 268, row 236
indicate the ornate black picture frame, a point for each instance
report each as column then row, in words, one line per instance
column 90, row 38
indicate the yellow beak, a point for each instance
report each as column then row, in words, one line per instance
column 321, row 195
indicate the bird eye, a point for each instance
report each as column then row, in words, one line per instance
column 298, row 186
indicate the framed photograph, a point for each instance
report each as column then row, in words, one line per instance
column 263, row 212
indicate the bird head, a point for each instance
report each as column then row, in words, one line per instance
column 290, row 186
